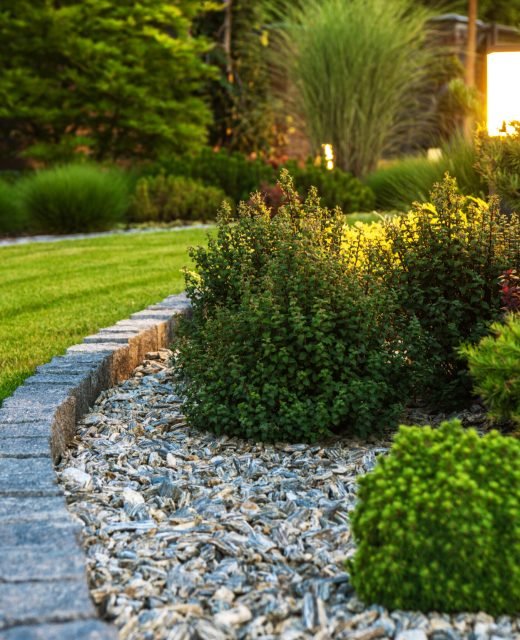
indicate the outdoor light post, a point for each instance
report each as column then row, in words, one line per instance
column 502, row 88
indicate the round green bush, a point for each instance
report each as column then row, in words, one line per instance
column 75, row 199
column 438, row 523
column 164, row 198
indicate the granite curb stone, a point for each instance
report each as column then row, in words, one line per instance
column 43, row 588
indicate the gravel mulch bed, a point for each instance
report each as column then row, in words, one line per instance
column 193, row 536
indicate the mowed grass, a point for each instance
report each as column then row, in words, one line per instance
column 54, row 294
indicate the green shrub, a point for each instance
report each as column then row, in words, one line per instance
column 12, row 220
column 498, row 162
column 336, row 188
column 443, row 261
column 234, row 173
column 286, row 343
column 494, row 364
column 75, row 198
column 166, row 198
column 437, row 524
column 411, row 179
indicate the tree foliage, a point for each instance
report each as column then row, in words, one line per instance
column 241, row 94
column 115, row 79
column 500, row 11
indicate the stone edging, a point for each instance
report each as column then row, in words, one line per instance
column 43, row 587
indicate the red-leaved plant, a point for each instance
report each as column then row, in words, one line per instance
column 510, row 290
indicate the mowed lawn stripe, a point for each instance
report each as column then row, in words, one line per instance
column 52, row 295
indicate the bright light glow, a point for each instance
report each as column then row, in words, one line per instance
column 328, row 152
column 503, row 91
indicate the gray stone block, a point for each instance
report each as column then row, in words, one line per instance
column 48, row 601
column 105, row 349
column 33, row 477
column 59, row 410
column 84, row 630
column 29, row 508
column 74, row 363
column 121, row 337
column 83, row 388
column 61, row 534
column 48, row 397
column 131, row 325
column 25, row 447
column 18, row 415
column 152, row 314
column 41, row 429
column 56, row 378
column 43, row 562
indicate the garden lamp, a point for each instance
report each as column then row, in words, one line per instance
column 503, row 89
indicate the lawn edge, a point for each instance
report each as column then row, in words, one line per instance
column 42, row 564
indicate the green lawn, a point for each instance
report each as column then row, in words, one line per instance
column 54, row 294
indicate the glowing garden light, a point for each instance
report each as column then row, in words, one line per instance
column 503, row 90
column 328, row 152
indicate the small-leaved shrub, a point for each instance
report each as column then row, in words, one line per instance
column 337, row 188
column 443, row 261
column 285, row 342
column 494, row 364
column 167, row 198
column 437, row 524
column 510, row 290
column 75, row 198
column 234, row 173
column 498, row 162
column 239, row 176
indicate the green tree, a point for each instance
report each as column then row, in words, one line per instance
column 241, row 94
column 116, row 79
column 499, row 11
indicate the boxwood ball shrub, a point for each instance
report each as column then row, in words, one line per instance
column 166, row 198
column 437, row 523
column 494, row 364
column 75, row 198
column 285, row 342
column 443, row 260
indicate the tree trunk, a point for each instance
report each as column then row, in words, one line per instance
column 227, row 40
column 471, row 55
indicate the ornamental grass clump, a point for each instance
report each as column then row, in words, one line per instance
column 12, row 219
column 75, row 198
column 437, row 524
column 285, row 341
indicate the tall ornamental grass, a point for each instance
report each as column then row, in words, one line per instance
column 361, row 72
column 412, row 179
column 12, row 219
